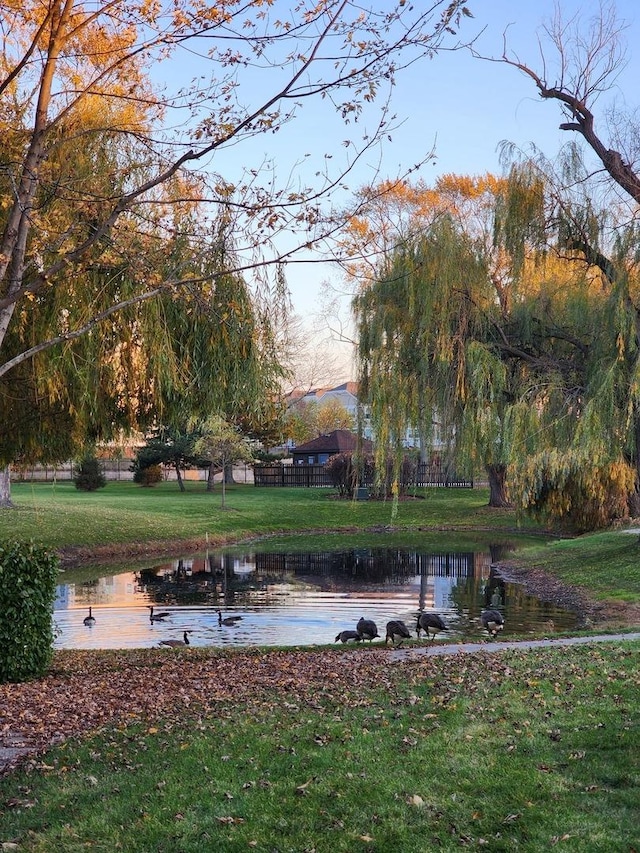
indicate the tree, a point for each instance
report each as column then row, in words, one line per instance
column 305, row 420
column 494, row 343
column 169, row 446
column 222, row 445
column 97, row 182
column 587, row 60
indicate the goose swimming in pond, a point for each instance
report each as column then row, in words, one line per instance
column 396, row 630
column 430, row 622
column 157, row 617
column 493, row 621
column 367, row 629
column 90, row 619
column 176, row 643
column 345, row 636
column 227, row 620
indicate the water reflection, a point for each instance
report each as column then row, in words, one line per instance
column 294, row 598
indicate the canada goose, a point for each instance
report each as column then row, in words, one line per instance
column 157, row 617
column 228, row 620
column 430, row 622
column 345, row 636
column 396, row 629
column 367, row 629
column 175, row 643
column 89, row 620
column 493, row 621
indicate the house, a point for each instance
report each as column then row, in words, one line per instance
column 346, row 395
column 318, row 450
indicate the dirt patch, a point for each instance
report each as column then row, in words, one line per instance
column 590, row 612
column 81, row 555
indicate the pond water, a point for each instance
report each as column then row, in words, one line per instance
column 294, row 598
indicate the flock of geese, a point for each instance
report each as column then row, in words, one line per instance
column 155, row 616
column 366, row 629
column 431, row 623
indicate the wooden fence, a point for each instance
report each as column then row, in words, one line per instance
column 315, row 476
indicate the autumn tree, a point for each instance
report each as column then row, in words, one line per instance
column 596, row 223
column 101, row 170
column 222, row 445
column 476, row 332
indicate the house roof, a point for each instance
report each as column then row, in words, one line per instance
column 338, row 441
column 318, row 393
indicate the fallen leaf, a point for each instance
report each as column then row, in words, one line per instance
column 302, row 789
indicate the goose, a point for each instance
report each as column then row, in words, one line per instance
column 157, row 617
column 367, row 629
column 493, row 621
column 345, row 636
column 430, row 622
column 89, row 620
column 228, row 620
column 176, row 643
column 396, row 629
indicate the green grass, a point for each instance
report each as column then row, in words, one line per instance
column 59, row 515
column 607, row 564
column 514, row 751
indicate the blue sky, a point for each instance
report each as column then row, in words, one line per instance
column 466, row 107
column 463, row 106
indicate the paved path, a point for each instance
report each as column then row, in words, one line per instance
column 13, row 746
column 499, row 646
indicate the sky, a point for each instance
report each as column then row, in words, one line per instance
column 462, row 106
column 466, row 107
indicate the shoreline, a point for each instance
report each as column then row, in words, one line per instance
column 591, row 612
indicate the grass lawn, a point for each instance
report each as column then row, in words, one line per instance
column 59, row 515
column 307, row 750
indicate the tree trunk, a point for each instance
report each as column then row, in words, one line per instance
column 228, row 473
column 5, row 488
column 497, row 486
column 211, row 477
column 179, row 477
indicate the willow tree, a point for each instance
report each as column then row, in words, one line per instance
column 74, row 76
column 418, row 367
column 595, row 219
column 495, row 341
column 164, row 361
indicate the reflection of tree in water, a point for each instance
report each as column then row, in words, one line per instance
column 214, row 579
column 367, row 565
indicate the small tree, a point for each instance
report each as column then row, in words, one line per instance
column 90, row 475
column 146, row 475
column 221, row 445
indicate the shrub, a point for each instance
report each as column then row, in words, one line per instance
column 28, row 577
column 344, row 475
column 148, row 476
column 90, row 475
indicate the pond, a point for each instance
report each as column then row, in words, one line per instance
column 287, row 597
